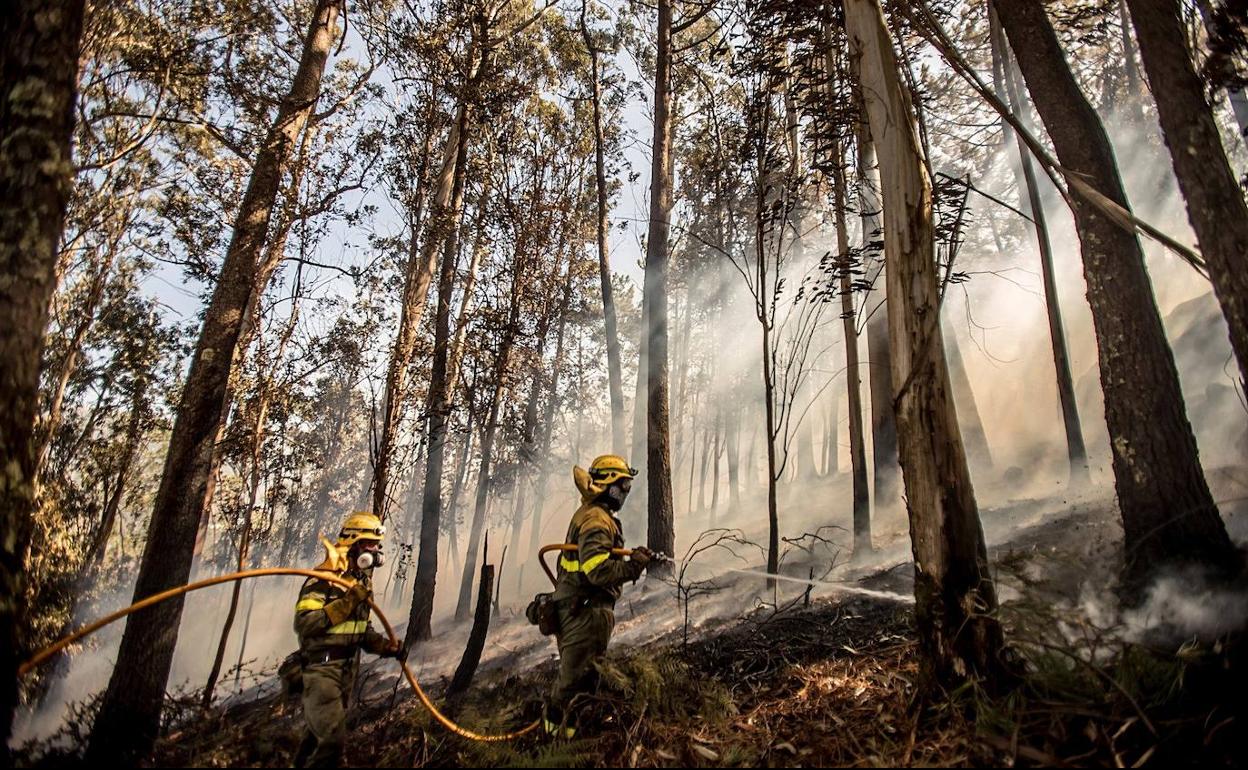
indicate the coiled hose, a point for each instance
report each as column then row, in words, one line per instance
column 47, row 652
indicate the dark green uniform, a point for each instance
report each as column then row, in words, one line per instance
column 589, row 583
column 330, row 654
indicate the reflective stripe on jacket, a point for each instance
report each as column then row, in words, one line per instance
column 591, row 571
column 312, row 623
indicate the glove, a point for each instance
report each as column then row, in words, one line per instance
column 342, row 608
column 392, row 649
column 642, row 557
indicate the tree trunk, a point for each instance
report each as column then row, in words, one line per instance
column 955, row 599
column 1215, row 203
column 444, row 218
column 1135, row 84
column 476, row 639
column 660, row 533
column 976, row 441
column 1009, row 91
column 1167, row 511
column 419, row 626
column 130, row 711
column 885, row 470
column 849, row 323
column 38, row 78
column 614, row 376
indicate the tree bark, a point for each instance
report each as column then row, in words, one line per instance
column 38, row 81
column 476, row 639
column 660, row 533
column 1215, row 203
column 130, row 711
column 885, row 469
column 1009, row 91
column 955, row 599
column 853, row 381
column 614, row 377
column 419, row 626
column 1167, row 511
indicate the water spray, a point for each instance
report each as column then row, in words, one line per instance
column 848, row 588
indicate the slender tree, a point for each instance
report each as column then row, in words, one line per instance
column 1009, row 91
column 129, row 717
column 614, row 376
column 1215, row 203
column 660, row 532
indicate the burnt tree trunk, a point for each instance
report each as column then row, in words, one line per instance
column 955, row 599
column 853, row 381
column 129, row 715
column 476, row 639
column 1168, row 513
column 38, row 81
column 1215, row 203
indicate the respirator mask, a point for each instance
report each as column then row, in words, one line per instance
column 369, row 558
column 617, row 493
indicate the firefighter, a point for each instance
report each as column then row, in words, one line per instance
column 589, row 583
column 333, row 626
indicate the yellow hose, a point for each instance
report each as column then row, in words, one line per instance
column 47, row 652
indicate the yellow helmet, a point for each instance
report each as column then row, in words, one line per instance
column 608, row 469
column 603, row 472
column 360, row 525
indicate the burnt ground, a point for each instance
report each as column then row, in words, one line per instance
column 834, row 680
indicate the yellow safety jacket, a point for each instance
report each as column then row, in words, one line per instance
column 591, row 571
column 316, row 632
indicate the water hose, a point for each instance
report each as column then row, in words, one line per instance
column 46, row 653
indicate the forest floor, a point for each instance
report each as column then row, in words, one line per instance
column 828, row 680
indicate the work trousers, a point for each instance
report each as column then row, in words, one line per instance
column 326, row 691
column 583, row 636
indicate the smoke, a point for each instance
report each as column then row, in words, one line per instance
column 1177, row 607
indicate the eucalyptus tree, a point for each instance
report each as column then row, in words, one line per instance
column 955, row 598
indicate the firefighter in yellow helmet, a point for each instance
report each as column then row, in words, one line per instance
column 332, row 625
column 589, row 583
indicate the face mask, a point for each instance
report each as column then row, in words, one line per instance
column 370, row 559
column 616, row 494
